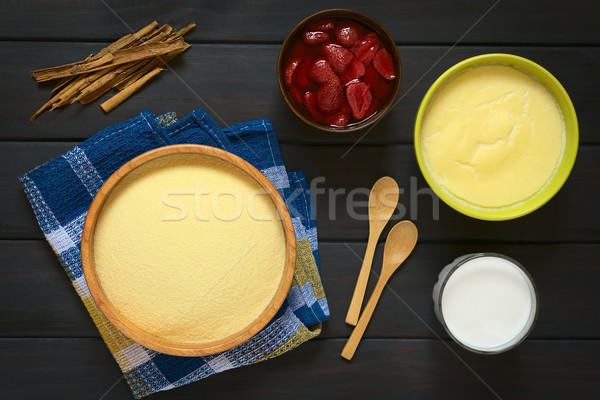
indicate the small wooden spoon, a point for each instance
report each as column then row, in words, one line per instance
column 382, row 203
column 399, row 244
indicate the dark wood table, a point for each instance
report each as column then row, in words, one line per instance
column 49, row 347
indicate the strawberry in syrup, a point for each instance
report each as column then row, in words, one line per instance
column 339, row 72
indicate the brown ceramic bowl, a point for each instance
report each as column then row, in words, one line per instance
column 369, row 24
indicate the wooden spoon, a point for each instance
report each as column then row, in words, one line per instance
column 382, row 203
column 399, row 244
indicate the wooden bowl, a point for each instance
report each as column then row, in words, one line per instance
column 156, row 342
column 296, row 35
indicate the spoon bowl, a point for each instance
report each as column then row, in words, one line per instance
column 400, row 243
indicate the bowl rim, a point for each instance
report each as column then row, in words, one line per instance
column 341, row 13
column 562, row 170
column 155, row 342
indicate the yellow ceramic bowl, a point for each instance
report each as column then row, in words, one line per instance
column 563, row 169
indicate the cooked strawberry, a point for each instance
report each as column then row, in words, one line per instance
column 315, row 37
column 321, row 71
column 378, row 85
column 347, row 35
column 339, row 57
column 359, row 98
column 372, row 38
column 366, row 48
column 355, row 71
column 310, row 102
column 339, row 120
column 373, row 109
column 291, row 68
column 324, row 25
column 330, row 97
column 296, row 94
column 384, row 65
column 302, row 77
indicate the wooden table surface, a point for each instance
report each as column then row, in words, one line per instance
column 49, row 347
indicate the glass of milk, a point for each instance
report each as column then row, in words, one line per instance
column 487, row 302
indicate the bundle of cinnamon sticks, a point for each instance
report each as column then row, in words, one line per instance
column 126, row 65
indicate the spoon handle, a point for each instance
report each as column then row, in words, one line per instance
column 359, row 329
column 361, row 285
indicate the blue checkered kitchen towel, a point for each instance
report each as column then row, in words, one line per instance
column 62, row 190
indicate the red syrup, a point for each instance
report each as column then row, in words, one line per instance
column 339, row 72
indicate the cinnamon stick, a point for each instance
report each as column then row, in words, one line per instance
column 61, row 83
column 166, row 29
column 90, row 65
column 127, row 40
column 126, row 64
column 120, row 97
column 161, row 36
column 150, row 64
column 122, row 56
column 106, row 83
column 146, row 65
column 67, row 93
column 71, row 91
column 64, row 93
column 182, row 32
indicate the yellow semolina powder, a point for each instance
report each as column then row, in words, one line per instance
column 493, row 136
column 189, row 248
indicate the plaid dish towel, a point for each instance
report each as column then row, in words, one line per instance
column 62, row 190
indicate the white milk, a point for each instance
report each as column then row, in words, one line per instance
column 488, row 303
